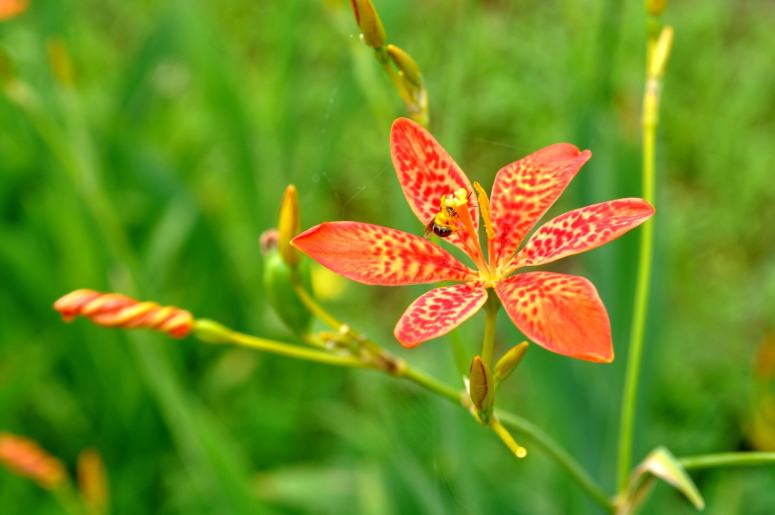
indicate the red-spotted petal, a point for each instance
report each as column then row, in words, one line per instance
column 525, row 189
column 583, row 229
column 373, row 254
column 426, row 172
column 438, row 312
column 562, row 313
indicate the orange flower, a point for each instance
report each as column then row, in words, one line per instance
column 26, row 458
column 12, row 8
column 562, row 313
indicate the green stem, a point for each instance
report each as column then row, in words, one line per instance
column 488, row 340
column 430, row 383
column 535, row 434
column 212, row 332
column 555, row 451
column 315, row 308
column 642, row 289
column 728, row 459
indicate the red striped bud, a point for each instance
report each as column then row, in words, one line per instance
column 117, row 310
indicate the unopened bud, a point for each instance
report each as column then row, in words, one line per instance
column 117, row 310
column 61, row 64
column 405, row 64
column 279, row 280
column 26, row 458
column 655, row 7
column 368, row 21
column 92, row 481
column 288, row 226
column 11, row 8
column 481, row 388
column 661, row 53
column 509, row 361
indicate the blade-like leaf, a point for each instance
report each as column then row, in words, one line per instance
column 660, row 463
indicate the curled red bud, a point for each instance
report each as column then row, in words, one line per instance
column 117, row 310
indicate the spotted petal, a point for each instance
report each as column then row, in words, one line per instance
column 426, row 172
column 562, row 313
column 583, row 229
column 524, row 190
column 373, row 254
column 439, row 311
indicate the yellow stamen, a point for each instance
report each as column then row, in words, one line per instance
column 484, row 209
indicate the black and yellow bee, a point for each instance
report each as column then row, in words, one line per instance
column 445, row 222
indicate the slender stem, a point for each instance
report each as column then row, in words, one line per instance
column 555, row 451
column 728, row 459
column 429, row 383
column 535, row 434
column 642, row 289
column 488, row 340
column 213, row 332
column 315, row 308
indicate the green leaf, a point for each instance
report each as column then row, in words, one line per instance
column 660, row 463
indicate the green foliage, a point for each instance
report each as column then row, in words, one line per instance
column 157, row 170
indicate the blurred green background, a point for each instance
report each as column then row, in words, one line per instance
column 155, row 173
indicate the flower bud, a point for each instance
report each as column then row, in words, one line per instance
column 481, row 388
column 405, row 64
column 60, row 62
column 278, row 282
column 368, row 21
column 25, row 458
column 11, row 8
column 661, row 53
column 509, row 361
column 117, row 310
column 288, row 226
column 655, row 7
column 92, row 481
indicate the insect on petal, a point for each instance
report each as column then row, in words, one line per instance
column 373, row 254
column 562, row 313
column 439, row 311
column 524, row 190
column 583, row 229
column 426, row 172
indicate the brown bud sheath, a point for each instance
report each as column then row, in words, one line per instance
column 481, row 388
column 116, row 310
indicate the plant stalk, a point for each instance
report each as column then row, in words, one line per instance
column 658, row 50
column 728, row 459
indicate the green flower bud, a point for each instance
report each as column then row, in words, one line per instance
column 278, row 283
column 509, row 361
column 405, row 64
column 655, row 7
column 368, row 21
